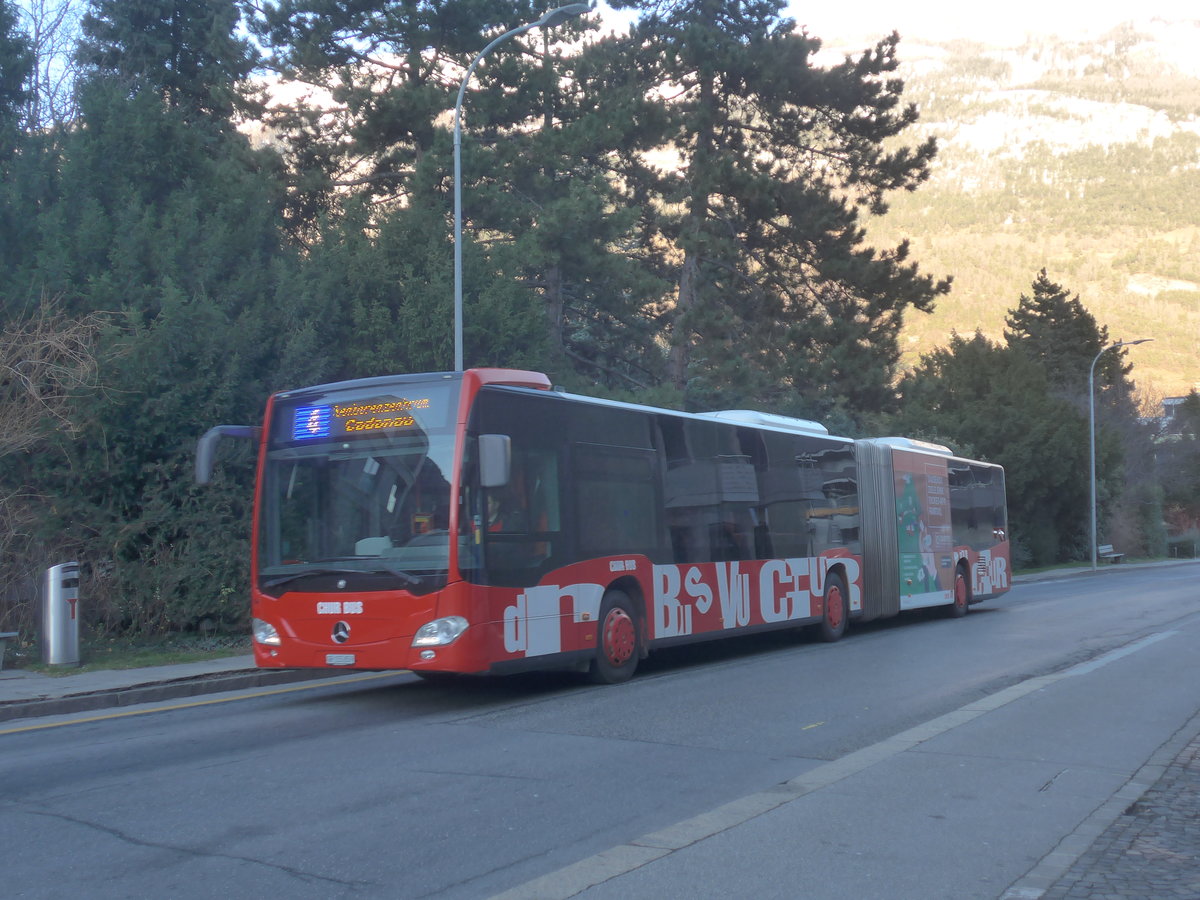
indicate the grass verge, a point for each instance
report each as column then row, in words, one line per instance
column 130, row 653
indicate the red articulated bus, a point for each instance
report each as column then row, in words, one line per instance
column 483, row 522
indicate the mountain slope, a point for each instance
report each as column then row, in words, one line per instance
column 1082, row 157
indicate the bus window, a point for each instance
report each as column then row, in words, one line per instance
column 616, row 500
column 523, row 518
column 977, row 505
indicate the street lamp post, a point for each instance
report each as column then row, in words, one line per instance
column 550, row 19
column 1092, row 429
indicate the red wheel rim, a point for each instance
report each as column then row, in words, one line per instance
column 619, row 638
column 834, row 607
column 960, row 591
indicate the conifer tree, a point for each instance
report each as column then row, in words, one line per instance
column 1055, row 329
column 1025, row 405
column 381, row 74
column 187, row 52
column 994, row 402
column 542, row 156
column 776, row 299
column 159, row 214
column 1178, row 460
column 16, row 65
column 18, row 198
column 540, row 218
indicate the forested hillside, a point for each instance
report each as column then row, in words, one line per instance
column 1082, row 157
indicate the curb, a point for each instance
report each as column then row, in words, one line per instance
column 155, row 692
column 1108, row 569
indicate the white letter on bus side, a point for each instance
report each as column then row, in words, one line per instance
column 535, row 623
column 799, row 605
column 999, row 571
column 698, row 591
column 770, row 605
column 733, row 588
column 668, row 611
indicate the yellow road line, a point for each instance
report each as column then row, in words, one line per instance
column 245, row 695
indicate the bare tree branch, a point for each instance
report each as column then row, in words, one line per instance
column 47, row 360
column 53, row 29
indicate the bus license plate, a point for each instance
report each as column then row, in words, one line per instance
column 339, row 659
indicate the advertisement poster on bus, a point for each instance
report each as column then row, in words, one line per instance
column 924, row 538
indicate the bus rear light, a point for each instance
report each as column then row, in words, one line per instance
column 440, row 632
column 265, row 633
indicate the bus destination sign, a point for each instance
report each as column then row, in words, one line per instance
column 358, row 417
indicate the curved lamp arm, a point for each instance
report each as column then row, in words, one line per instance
column 549, row 20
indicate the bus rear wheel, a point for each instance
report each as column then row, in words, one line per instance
column 837, row 609
column 617, row 645
column 962, row 594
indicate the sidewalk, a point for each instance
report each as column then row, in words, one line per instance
column 1144, row 844
column 1152, row 849
column 24, row 694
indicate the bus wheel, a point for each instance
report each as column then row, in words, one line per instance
column 617, row 644
column 837, row 610
column 962, row 595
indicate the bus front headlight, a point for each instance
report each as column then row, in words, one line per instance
column 440, row 632
column 265, row 633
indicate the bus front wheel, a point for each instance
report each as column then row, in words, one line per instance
column 617, row 644
column 837, row 609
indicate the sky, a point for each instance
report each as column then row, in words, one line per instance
column 1000, row 22
column 1005, row 22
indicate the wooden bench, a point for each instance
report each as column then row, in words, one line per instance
column 1106, row 552
column 5, row 637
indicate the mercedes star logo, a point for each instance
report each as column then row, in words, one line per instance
column 341, row 632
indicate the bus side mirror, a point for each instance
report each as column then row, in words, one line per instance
column 207, row 446
column 495, row 460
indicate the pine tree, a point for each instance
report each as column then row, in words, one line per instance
column 994, row 402
column 381, row 75
column 187, row 52
column 18, row 197
column 16, row 65
column 155, row 211
column 776, row 298
column 1055, row 329
column 542, row 282
column 1177, row 458
column 541, row 155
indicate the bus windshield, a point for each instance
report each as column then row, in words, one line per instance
column 364, row 499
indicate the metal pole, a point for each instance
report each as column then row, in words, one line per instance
column 1092, row 433
column 553, row 17
column 1092, row 449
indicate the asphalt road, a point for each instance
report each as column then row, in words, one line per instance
column 920, row 782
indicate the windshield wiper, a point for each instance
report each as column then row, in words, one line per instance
column 381, row 569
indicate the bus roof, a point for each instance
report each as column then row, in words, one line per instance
column 903, row 443
column 772, row 420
